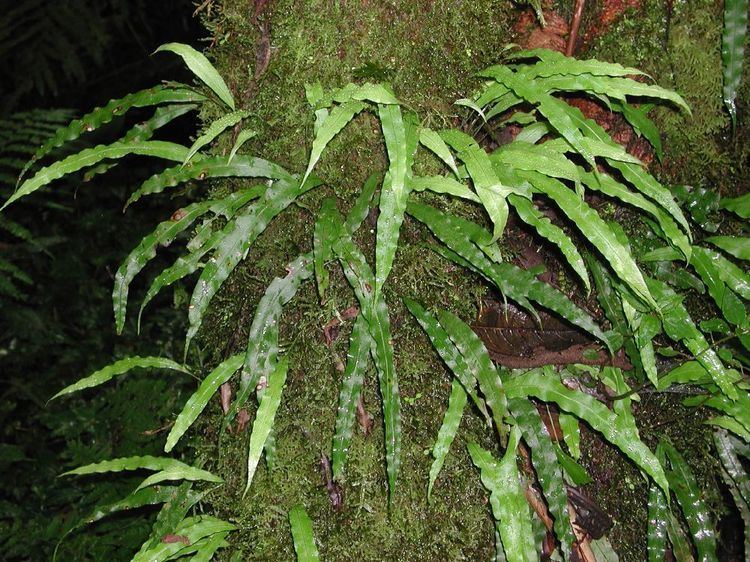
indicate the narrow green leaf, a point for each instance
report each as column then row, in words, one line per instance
column 244, row 136
column 448, row 352
column 529, row 214
column 480, row 365
column 433, row 142
column 119, row 368
column 447, row 432
column 547, row 468
column 203, row 69
column 736, row 479
column 738, row 409
column 400, row 137
column 198, row 401
column 214, row 130
column 709, row 269
column 360, row 344
column 324, row 235
column 171, row 514
column 237, row 238
column 553, row 63
column 375, row 93
column 211, row 167
column 545, row 385
column 736, row 246
column 163, row 235
column 679, row 327
column 302, row 534
column 332, row 126
column 443, row 184
column 596, row 231
column 178, row 473
column 140, row 463
column 114, row 108
column 509, row 506
column 733, row 51
column 739, row 205
column 694, row 508
column 135, row 500
column 658, row 514
column 490, row 190
column 90, row 156
column 638, row 119
column 209, row 546
column 264, row 418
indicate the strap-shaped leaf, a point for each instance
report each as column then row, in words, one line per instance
column 680, row 327
column 448, row 352
column 658, row 515
column 529, row 214
column 214, row 130
column 638, row 119
column 163, row 235
column 178, row 473
column 324, row 235
column 360, row 344
column 237, row 238
column 114, row 108
column 552, row 63
column 447, row 432
column 536, row 158
column 739, row 205
column 135, row 500
column 735, row 477
column 90, row 156
column 211, row 167
column 244, row 136
column 400, row 137
column 264, row 418
column 119, row 368
column 732, row 308
column 193, row 529
column 142, row 463
column 336, row 120
column 375, row 93
column 434, row 142
column 488, row 186
column 302, row 535
column 737, row 246
column 596, row 231
column 733, row 51
column 509, row 506
column 198, row 401
column 548, row 472
column 203, row 69
column 480, row 365
column 545, row 385
column 443, row 184
column 694, row 508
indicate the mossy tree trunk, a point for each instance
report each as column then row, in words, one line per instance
column 428, row 52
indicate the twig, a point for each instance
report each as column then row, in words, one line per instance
column 574, row 27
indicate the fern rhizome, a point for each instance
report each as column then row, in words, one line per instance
column 558, row 159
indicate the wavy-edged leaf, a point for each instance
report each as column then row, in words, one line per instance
column 199, row 399
column 509, row 506
column 733, row 51
column 679, row 327
column 214, row 130
column 434, row 142
column 694, row 508
column 709, row 269
column 178, row 473
column 302, row 534
column 135, row 500
column 336, row 120
column 193, row 529
column 144, row 131
column 738, row 409
column 244, row 136
column 596, row 231
column 172, row 513
column 400, row 136
column 360, row 344
column 203, row 69
column 443, row 184
column 447, row 432
column 488, row 186
column 545, row 385
column 211, row 167
column 162, row 235
column 146, row 462
column 324, row 235
column 548, row 472
column 736, row 479
column 90, row 156
column 638, row 119
column 119, row 368
column 237, row 238
column 373, row 307
column 552, row 63
column 736, row 246
column 448, row 352
column 658, row 514
column 209, row 546
column 264, row 418
column 536, row 158
column 480, row 365
column 375, row 93
column 544, row 227
column 114, row 108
